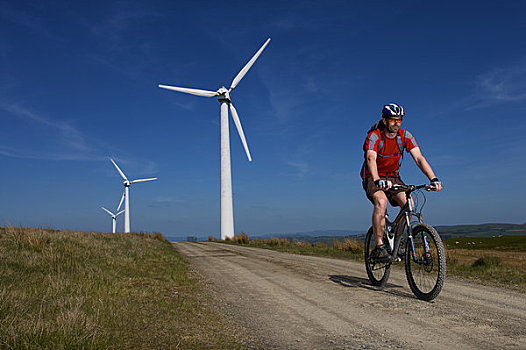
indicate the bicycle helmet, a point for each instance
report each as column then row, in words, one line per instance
column 392, row 110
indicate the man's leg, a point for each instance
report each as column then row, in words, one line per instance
column 380, row 206
column 400, row 199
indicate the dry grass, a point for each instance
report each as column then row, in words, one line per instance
column 350, row 245
column 76, row 290
column 320, row 245
column 516, row 260
column 347, row 248
column 489, row 266
column 241, row 238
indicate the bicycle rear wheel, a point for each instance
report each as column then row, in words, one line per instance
column 425, row 275
column 378, row 272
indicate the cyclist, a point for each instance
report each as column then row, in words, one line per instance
column 383, row 148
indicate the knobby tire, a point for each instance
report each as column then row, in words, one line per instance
column 426, row 277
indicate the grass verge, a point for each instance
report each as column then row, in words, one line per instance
column 496, row 260
column 487, row 269
column 77, row 290
column 344, row 249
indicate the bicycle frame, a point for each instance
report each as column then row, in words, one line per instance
column 402, row 222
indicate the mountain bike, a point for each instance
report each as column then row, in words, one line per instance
column 409, row 239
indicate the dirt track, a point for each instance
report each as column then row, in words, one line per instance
column 288, row 301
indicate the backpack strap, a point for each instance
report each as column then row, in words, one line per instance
column 399, row 143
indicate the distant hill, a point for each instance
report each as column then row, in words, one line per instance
column 482, row 230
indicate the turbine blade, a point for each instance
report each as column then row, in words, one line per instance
column 120, row 203
column 197, row 92
column 119, row 170
column 119, row 213
column 245, row 69
column 144, row 180
column 240, row 130
column 107, row 211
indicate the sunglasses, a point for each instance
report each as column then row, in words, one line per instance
column 397, row 121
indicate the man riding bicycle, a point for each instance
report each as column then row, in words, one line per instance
column 383, row 149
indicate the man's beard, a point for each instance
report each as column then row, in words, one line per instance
column 393, row 129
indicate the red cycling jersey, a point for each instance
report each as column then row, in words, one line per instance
column 388, row 157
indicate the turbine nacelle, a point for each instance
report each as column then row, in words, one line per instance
column 223, row 94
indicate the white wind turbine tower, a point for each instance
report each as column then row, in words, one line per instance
column 223, row 96
column 127, row 184
column 114, row 216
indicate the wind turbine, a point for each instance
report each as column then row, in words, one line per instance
column 114, row 216
column 127, row 184
column 223, row 96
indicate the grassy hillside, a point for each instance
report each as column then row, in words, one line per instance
column 76, row 290
column 500, row 243
column 482, row 230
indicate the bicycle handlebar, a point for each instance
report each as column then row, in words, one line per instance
column 411, row 188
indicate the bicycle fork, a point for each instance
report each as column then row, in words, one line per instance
column 410, row 238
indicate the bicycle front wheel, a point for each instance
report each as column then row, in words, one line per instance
column 378, row 272
column 425, row 271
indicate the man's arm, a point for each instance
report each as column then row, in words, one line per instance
column 370, row 158
column 424, row 166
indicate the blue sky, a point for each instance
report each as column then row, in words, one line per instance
column 78, row 84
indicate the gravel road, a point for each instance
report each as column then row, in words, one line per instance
column 286, row 301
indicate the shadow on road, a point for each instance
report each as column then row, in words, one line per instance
column 358, row 282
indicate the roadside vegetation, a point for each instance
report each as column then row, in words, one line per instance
column 340, row 248
column 78, row 290
column 491, row 260
column 500, row 259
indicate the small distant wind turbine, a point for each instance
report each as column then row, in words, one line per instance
column 127, row 184
column 223, row 96
column 114, row 216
